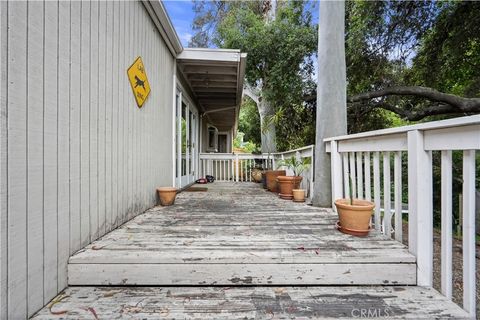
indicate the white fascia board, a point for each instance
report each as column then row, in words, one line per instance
column 210, row 55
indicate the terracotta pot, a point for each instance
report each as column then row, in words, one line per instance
column 167, row 195
column 271, row 177
column 256, row 175
column 354, row 219
column 287, row 184
column 298, row 195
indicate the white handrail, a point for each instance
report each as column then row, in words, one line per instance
column 238, row 166
column 351, row 156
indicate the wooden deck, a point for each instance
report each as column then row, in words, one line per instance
column 252, row 303
column 239, row 234
column 239, row 252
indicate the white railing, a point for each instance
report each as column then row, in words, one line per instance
column 238, row 166
column 359, row 155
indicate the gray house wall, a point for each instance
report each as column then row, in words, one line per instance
column 78, row 157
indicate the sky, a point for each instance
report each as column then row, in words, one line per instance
column 181, row 14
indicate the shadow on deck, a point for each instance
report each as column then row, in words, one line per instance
column 205, row 257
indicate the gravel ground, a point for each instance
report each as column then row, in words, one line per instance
column 457, row 260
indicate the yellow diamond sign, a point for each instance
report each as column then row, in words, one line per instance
column 139, row 82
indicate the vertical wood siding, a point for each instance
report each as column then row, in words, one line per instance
column 78, row 157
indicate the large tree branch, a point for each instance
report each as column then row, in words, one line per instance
column 419, row 114
column 462, row 104
column 252, row 92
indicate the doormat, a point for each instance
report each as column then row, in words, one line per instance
column 196, row 189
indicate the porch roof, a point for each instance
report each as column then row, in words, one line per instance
column 215, row 77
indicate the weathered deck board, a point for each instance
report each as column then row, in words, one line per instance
column 236, row 234
column 252, row 303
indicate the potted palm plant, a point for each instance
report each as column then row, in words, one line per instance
column 354, row 214
column 288, row 183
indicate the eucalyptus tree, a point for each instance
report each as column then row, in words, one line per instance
column 279, row 39
column 331, row 93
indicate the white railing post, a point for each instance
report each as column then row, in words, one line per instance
column 468, row 236
column 420, row 208
column 237, row 169
column 337, row 174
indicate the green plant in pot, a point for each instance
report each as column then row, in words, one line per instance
column 354, row 214
column 288, row 183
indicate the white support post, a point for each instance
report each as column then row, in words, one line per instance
column 420, row 206
column 468, row 237
column 446, row 208
column 336, row 163
column 237, row 169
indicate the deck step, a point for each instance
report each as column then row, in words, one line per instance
column 219, row 237
column 242, row 274
column 251, row 303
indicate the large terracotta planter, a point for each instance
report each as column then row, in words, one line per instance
column 298, row 195
column 167, row 195
column 286, row 185
column 354, row 219
column 271, row 177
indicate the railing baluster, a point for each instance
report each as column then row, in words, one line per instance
column 229, row 169
column 352, row 174
column 244, row 173
column 446, row 208
column 368, row 187
column 387, row 206
column 468, row 237
column 236, row 167
column 376, row 188
column 359, row 176
column 398, row 196
column 224, row 172
column 346, row 172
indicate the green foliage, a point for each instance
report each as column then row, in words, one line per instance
column 249, row 121
column 298, row 166
column 247, row 147
column 381, row 38
column 449, row 57
column 280, row 58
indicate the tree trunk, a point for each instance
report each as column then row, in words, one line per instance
column 267, row 126
column 266, row 111
column 331, row 93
